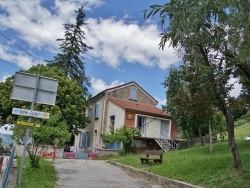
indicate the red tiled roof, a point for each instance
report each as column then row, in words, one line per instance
column 133, row 106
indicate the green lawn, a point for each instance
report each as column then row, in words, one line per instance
column 198, row 166
column 242, row 131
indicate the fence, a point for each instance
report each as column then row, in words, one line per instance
column 7, row 170
column 204, row 139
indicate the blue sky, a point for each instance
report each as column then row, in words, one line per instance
column 125, row 45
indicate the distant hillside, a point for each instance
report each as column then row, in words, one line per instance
column 242, row 131
column 7, row 140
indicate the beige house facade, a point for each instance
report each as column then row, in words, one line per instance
column 128, row 104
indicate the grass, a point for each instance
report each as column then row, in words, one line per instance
column 242, row 132
column 200, row 167
column 43, row 177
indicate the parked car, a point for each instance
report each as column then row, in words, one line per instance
column 248, row 137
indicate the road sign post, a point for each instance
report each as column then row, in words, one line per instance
column 32, row 88
column 27, row 135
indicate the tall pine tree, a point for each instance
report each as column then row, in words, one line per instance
column 72, row 47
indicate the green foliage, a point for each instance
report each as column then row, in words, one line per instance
column 69, row 110
column 247, row 115
column 110, row 137
column 123, row 134
column 219, row 125
column 49, row 131
column 70, row 102
column 188, row 100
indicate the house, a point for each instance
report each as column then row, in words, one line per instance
column 128, row 104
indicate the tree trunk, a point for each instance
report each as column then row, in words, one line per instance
column 231, row 140
column 200, row 133
column 211, row 132
column 222, row 106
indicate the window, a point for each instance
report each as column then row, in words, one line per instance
column 112, row 120
column 114, row 146
column 90, row 112
column 141, row 122
column 96, row 111
column 84, row 140
column 133, row 93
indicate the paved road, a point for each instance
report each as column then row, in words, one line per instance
column 95, row 174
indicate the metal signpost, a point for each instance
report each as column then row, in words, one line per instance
column 32, row 88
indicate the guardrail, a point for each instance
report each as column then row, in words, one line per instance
column 7, row 170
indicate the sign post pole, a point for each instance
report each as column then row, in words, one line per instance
column 32, row 88
column 27, row 134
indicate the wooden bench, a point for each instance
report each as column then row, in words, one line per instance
column 152, row 152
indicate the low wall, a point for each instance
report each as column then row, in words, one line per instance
column 156, row 178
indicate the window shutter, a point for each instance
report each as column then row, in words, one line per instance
column 133, row 93
column 96, row 111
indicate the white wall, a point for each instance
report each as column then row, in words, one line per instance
column 118, row 112
column 153, row 125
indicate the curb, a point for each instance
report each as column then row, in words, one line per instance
column 159, row 179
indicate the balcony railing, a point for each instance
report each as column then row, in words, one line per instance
column 165, row 134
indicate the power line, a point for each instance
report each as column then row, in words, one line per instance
column 20, row 47
column 10, row 64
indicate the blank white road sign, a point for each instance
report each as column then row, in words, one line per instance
column 25, row 87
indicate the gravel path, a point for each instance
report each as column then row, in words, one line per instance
column 95, row 174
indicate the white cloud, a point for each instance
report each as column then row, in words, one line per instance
column 236, row 87
column 98, row 85
column 37, row 25
column 17, row 58
column 160, row 101
column 4, row 76
column 115, row 40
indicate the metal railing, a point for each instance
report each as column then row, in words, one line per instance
column 166, row 139
column 7, row 170
column 170, row 140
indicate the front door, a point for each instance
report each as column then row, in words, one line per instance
column 142, row 124
column 165, row 129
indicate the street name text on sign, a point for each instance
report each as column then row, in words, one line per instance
column 28, row 124
column 30, row 113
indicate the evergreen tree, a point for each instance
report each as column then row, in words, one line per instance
column 70, row 60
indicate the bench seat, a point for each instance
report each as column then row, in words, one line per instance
column 152, row 152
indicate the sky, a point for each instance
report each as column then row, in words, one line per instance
column 125, row 45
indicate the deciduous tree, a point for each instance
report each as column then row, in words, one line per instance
column 210, row 36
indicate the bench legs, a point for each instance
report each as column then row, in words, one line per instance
column 157, row 161
column 143, row 159
column 154, row 160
